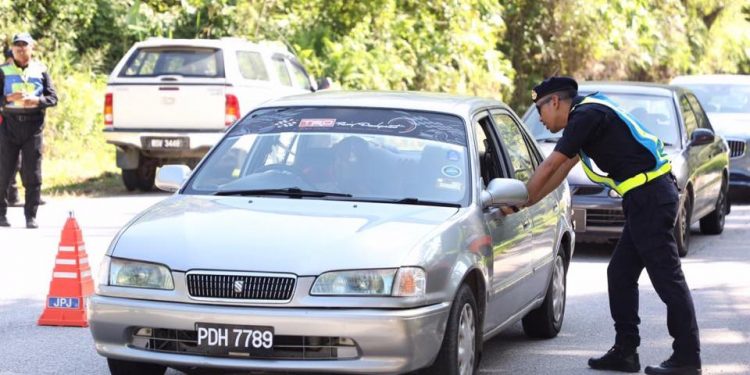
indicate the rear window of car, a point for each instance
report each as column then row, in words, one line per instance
column 186, row 62
column 251, row 65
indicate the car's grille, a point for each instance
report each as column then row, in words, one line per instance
column 587, row 190
column 736, row 148
column 241, row 286
column 598, row 217
column 284, row 347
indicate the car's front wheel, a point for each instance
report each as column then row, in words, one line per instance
column 713, row 223
column 682, row 227
column 119, row 367
column 546, row 320
column 459, row 353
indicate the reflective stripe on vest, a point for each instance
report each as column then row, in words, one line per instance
column 653, row 144
column 28, row 81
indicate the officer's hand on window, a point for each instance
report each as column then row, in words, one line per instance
column 509, row 210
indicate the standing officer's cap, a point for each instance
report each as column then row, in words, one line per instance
column 553, row 84
column 23, row 37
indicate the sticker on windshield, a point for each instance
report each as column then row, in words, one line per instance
column 317, row 122
column 450, row 185
column 452, row 156
column 451, row 171
column 285, row 123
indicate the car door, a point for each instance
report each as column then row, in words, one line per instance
column 697, row 157
column 543, row 214
column 713, row 166
column 511, row 234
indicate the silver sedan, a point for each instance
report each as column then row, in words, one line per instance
column 341, row 233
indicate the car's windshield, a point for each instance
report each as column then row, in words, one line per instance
column 655, row 113
column 373, row 154
column 722, row 98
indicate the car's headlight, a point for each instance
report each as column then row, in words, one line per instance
column 409, row 281
column 139, row 274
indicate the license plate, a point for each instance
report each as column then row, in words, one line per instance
column 225, row 339
column 166, row 143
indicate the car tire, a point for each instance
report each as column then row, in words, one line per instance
column 130, row 179
column 458, row 354
column 119, row 367
column 546, row 321
column 713, row 223
column 682, row 227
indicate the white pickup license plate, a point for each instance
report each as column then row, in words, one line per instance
column 226, row 339
column 166, row 142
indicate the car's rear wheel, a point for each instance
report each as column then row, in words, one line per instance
column 459, row 353
column 120, row 367
column 682, row 227
column 546, row 320
column 713, row 223
column 142, row 178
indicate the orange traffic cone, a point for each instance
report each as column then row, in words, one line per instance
column 71, row 281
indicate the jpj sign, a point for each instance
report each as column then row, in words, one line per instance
column 63, row 303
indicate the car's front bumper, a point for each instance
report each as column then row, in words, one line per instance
column 387, row 341
column 597, row 217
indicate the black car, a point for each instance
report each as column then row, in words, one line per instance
column 700, row 161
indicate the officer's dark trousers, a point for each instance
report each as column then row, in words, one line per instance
column 647, row 241
column 21, row 134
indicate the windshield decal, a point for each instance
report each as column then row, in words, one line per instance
column 317, row 122
column 451, row 171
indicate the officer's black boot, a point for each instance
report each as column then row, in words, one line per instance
column 4, row 221
column 674, row 367
column 617, row 359
column 31, row 223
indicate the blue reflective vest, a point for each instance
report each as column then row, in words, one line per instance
column 649, row 141
column 29, row 81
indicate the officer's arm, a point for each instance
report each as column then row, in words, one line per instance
column 49, row 94
column 549, row 175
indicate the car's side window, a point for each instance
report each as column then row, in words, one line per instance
column 699, row 113
column 515, row 146
column 300, row 77
column 251, row 65
column 489, row 162
column 691, row 122
column 281, row 71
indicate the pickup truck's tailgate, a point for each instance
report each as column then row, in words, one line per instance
column 168, row 106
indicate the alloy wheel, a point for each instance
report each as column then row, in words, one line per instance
column 466, row 341
column 558, row 289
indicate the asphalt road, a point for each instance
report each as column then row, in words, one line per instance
column 717, row 270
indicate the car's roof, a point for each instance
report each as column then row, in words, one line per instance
column 726, row 79
column 407, row 100
column 216, row 43
column 626, row 87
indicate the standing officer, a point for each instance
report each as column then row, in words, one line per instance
column 12, row 196
column 27, row 92
column 638, row 169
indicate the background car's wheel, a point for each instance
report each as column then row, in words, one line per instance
column 713, row 223
column 546, row 320
column 130, row 179
column 119, row 367
column 459, row 353
column 682, row 227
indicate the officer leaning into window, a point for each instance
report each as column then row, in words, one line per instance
column 637, row 168
column 27, row 92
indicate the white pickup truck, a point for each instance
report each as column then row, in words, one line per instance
column 170, row 100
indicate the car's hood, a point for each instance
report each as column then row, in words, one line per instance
column 300, row 236
column 577, row 177
column 731, row 124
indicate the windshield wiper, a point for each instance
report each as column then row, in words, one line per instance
column 416, row 201
column 290, row 191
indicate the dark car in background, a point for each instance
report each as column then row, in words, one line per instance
column 699, row 161
column 726, row 99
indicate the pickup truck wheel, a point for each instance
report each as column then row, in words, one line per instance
column 146, row 175
column 545, row 321
column 130, row 178
column 119, row 367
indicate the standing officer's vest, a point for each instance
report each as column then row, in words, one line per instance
column 653, row 144
column 27, row 80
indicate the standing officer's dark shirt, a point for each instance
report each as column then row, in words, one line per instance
column 606, row 139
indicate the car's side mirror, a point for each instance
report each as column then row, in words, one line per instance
column 324, row 83
column 701, row 137
column 171, row 177
column 504, row 191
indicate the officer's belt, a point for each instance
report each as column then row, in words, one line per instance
column 642, row 179
column 25, row 117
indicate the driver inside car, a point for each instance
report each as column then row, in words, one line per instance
column 350, row 159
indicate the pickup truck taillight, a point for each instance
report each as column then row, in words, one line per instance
column 231, row 109
column 108, row 110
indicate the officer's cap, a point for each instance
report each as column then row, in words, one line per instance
column 23, row 37
column 551, row 85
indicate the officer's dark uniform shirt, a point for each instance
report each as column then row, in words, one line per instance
column 48, row 98
column 606, row 139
